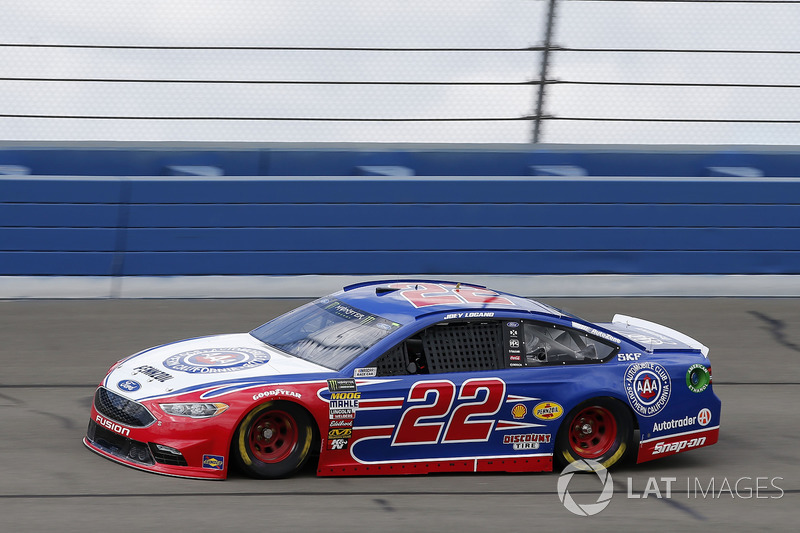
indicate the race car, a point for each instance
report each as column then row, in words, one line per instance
column 408, row 377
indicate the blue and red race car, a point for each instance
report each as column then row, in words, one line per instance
column 407, row 377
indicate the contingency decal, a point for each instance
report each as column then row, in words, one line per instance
column 698, row 378
column 647, row 387
column 216, row 360
column 214, row 462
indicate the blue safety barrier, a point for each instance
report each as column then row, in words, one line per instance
column 454, row 211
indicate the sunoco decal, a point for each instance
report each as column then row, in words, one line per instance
column 214, row 462
column 217, row 360
column 648, row 388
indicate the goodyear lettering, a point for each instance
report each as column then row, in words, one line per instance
column 663, row 447
column 116, row 428
column 277, row 392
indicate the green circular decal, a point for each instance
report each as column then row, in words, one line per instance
column 697, row 378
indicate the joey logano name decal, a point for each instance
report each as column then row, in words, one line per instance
column 216, row 360
column 648, row 387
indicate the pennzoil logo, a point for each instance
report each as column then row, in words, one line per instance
column 340, row 433
column 214, row 462
column 548, row 411
column 519, row 411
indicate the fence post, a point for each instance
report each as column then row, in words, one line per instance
column 548, row 37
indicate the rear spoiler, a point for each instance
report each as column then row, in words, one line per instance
column 663, row 330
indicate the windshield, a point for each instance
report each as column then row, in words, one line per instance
column 327, row 332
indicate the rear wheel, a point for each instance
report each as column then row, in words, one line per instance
column 274, row 440
column 599, row 429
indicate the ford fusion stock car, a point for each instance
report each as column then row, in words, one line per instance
column 408, row 377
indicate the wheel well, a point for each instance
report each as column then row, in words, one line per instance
column 609, row 398
column 315, row 430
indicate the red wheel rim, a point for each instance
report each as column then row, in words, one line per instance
column 272, row 436
column 592, row 432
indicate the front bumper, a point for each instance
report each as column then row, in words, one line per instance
column 170, row 446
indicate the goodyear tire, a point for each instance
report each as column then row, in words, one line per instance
column 600, row 429
column 273, row 441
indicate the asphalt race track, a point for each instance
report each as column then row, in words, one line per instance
column 54, row 353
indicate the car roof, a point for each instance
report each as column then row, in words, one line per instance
column 406, row 300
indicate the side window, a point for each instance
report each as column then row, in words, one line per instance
column 446, row 347
column 550, row 344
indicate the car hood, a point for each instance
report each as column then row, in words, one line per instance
column 221, row 360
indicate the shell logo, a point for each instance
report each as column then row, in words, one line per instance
column 519, row 411
column 548, row 411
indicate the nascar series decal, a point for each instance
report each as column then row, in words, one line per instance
column 648, row 387
column 427, row 294
column 216, row 360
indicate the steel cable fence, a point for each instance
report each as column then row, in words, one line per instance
column 556, row 71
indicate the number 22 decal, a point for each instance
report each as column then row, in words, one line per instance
column 424, row 295
column 416, row 427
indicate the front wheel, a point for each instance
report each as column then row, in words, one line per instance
column 600, row 429
column 273, row 441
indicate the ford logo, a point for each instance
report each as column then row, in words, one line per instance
column 129, row 385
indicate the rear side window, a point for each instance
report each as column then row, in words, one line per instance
column 548, row 344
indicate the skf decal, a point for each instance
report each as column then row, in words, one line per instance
column 648, row 388
column 548, row 411
column 347, row 384
column 214, row 462
column 519, row 411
